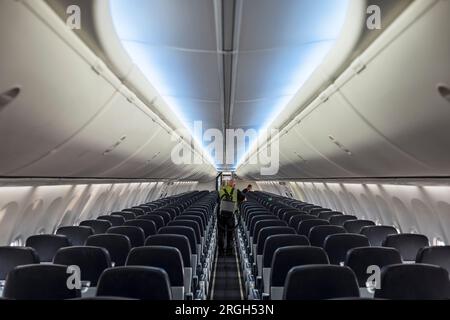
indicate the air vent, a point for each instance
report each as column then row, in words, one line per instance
column 444, row 91
column 115, row 145
column 8, row 96
column 340, row 145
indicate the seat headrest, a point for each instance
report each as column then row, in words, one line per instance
column 358, row 259
column 274, row 242
column 407, row 244
column 306, row 225
column 149, row 227
column 173, row 240
column 185, row 231
column 337, row 245
column 11, row 257
column 115, row 220
column 39, row 282
column 91, row 261
column 318, row 234
column 340, row 220
column 377, row 234
column 117, row 245
column 164, row 257
column 135, row 234
column 286, row 258
column 439, row 256
column 414, row 282
column 320, row 282
column 46, row 245
column 144, row 283
column 99, row 226
column 269, row 231
column 355, row 226
column 77, row 235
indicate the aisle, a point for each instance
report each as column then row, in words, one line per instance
column 227, row 282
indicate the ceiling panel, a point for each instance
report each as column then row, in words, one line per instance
column 185, row 24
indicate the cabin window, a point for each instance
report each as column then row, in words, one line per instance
column 438, row 242
column 17, row 242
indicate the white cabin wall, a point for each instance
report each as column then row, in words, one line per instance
column 418, row 207
column 41, row 207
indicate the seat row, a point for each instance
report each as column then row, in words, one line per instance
column 278, row 235
column 171, row 241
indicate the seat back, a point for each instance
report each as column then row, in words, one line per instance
column 339, row 220
column 377, row 234
column 178, row 241
column 127, row 215
column 135, row 234
column 264, row 224
column 167, row 258
column 92, row 261
column 305, row 226
column 115, row 220
column 359, row 259
column 144, row 283
column 187, row 223
column 318, row 234
column 320, row 282
column 326, row 215
column 77, row 235
column 286, row 258
column 157, row 220
column 414, row 282
column 39, row 282
column 439, row 256
column 297, row 219
column 118, row 246
column 147, row 226
column 99, row 226
column 408, row 244
column 46, row 245
column 355, row 226
column 185, row 231
column 11, row 257
column 337, row 245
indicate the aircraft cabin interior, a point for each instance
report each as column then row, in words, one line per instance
column 255, row 151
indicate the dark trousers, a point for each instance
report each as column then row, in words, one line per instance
column 226, row 230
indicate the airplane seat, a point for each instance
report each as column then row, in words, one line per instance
column 156, row 219
column 125, row 214
column 439, row 256
column 355, row 226
column 318, row 234
column 147, row 226
column 414, row 282
column 316, row 210
column 259, row 225
column 135, row 234
column 197, row 219
column 339, row 220
column 167, row 258
column 92, row 261
column 11, row 257
column 326, row 215
column 305, row 226
column 359, row 259
column 190, row 224
column 272, row 243
column 295, row 220
column 180, row 242
column 163, row 214
column 77, row 235
column 261, row 241
column 116, row 221
column 190, row 234
column 117, row 245
column 286, row 258
column 377, row 234
column 46, row 245
column 320, row 282
column 337, row 245
column 138, row 282
column 407, row 244
column 288, row 215
column 99, row 226
column 39, row 282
